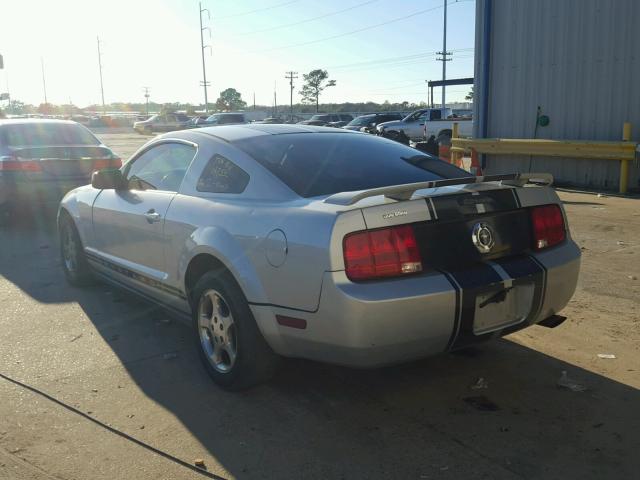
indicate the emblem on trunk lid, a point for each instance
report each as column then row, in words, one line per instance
column 482, row 237
column 397, row 213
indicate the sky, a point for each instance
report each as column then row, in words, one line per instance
column 375, row 49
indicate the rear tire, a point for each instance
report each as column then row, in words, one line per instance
column 74, row 262
column 232, row 349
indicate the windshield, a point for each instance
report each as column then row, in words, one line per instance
column 43, row 134
column 413, row 116
column 314, row 164
column 361, row 121
column 323, row 118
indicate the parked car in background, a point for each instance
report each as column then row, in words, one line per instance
column 167, row 122
column 322, row 119
column 41, row 160
column 369, row 122
column 224, row 119
column 423, row 123
column 271, row 120
column 198, row 120
column 322, row 244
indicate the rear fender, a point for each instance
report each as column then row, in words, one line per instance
column 218, row 243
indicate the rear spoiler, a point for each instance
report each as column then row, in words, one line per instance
column 406, row 191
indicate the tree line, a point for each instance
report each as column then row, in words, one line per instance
column 314, row 84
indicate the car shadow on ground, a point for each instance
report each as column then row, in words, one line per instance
column 427, row 419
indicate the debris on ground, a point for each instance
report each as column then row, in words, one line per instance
column 480, row 384
column 620, row 243
column 606, row 355
column 169, row 356
column 481, row 403
column 198, row 462
column 632, row 277
column 94, row 390
column 565, row 382
column 601, row 195
column 75, row 338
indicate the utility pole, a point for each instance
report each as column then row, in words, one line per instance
column 104, row 109
column 146, row 96
column 275, row 101
column 444, row 54
column 291, row 77
column 6, row 78
column 204, row 82
column 44, row 84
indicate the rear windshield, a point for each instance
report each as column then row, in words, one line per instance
column 42, row 134
column 314, row 164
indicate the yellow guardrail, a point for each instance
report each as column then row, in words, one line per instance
column 623, row 151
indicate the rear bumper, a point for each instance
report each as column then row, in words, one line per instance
column 394, row 321
column 50, row 192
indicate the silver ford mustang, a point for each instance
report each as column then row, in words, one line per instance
column 313, row 242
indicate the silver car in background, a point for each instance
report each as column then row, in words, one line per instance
column 313, row 242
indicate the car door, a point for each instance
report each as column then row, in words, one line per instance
column 128, row 223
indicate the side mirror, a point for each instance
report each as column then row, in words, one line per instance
column 107, row 179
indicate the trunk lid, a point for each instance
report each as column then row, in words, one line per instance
column 69, row 162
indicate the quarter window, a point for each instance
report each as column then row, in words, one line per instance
column 222, row 176
column 160, row 168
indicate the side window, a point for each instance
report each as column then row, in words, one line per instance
column 424, row 117
column 160, row 168
column 436, row 114
column 222, row 176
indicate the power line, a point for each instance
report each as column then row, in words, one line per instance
column 287, row 25
column 394, row 59
column 241, row 14
column 363, row 29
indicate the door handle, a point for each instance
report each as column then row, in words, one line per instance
column 152, row 216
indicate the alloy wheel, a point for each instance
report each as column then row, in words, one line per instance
column 217, row 331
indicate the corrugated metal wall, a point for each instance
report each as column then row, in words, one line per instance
column 575, row 59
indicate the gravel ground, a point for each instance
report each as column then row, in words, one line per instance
column 103, row 355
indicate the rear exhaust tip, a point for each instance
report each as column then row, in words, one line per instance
column 553, row 321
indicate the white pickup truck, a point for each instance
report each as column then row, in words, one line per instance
column 423, row 123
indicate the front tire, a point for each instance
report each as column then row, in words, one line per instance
column 74, row 262
column 232, row 349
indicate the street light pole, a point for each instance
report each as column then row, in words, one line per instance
column 104, row 109
column 44, row 83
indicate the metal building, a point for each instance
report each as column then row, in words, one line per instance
column 576, row 60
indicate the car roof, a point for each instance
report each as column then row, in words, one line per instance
column 20, row 121
column 231, row 133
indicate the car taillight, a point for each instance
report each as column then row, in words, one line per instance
column 548, row 226
column 386, row 252
column 14, row 164
column 107, row 163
